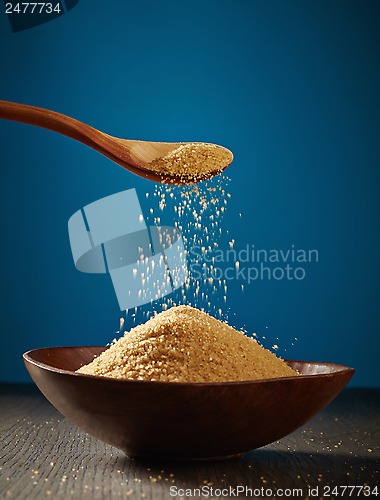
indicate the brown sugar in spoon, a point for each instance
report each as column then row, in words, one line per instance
column 166, row 162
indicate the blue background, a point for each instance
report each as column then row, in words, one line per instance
column 291, row 87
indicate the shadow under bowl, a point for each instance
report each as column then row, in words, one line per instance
column 183, row 421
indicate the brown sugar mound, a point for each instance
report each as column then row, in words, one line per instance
column 192, row 162
column 184, row 344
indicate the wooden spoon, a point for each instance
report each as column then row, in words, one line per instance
column 135, row 156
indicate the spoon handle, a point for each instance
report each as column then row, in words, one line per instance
column 103, row 143
column 51, row 120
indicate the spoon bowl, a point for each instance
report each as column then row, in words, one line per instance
column 139, row 157
column 184, row 421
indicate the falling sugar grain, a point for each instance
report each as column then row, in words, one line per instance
column 198, row 211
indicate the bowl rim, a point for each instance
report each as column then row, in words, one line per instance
column 340, row 369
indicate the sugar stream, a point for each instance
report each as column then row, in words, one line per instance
column 197, row 212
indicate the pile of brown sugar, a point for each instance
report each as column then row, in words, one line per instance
column 184, row 344
column 192, row 162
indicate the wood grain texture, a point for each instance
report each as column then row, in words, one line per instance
column 43, row 455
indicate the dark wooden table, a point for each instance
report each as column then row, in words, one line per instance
column 43, row 454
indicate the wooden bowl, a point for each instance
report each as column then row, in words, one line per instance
column 186, row 421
